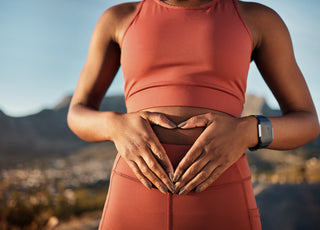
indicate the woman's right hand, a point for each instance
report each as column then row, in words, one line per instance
column 138, row 145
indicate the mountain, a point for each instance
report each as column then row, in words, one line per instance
column 45, row 133
column 257, row 105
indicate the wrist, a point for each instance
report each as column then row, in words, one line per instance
column 111, row 119
column 249, row 131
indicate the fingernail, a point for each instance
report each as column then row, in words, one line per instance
column 182, row 192
column 149, row 186
column 176, row 189
column 173, row 188
column 176, row 178
column 182, row 124
column 163, row 190
column 173, row 125
column 171, row 176
column 198, row 189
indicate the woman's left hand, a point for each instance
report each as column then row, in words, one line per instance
column 222, row 143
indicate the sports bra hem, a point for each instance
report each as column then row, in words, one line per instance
column 185, row 84
column 186, row 96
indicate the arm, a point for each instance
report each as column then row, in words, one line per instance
column 225, row 138
column 275, row 59
column 99, row 70
column 131, row 133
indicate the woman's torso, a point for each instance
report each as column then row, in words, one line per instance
column 177, row 114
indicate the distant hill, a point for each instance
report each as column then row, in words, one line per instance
column 257, row 105
column 44, row 134
column 47, row 134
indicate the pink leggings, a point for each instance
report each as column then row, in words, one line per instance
column 227, row 204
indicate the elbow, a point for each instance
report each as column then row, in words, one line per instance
column 310, row 126
column 70, row 120
column 315, row 130
column 73, row 124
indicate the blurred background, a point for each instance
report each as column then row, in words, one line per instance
column 49, row 179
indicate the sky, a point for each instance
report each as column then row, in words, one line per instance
column 44, row 44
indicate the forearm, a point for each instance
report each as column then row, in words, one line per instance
column 89, row 124
column 290, row 131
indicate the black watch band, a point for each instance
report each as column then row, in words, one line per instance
column 265, row 132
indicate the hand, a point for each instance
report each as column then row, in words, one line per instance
column 140, row 148
column 221, row 144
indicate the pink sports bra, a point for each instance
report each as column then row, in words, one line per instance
column 186, row 56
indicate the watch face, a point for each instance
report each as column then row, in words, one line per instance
column 266, row 133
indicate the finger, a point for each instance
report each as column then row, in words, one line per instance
column 157, row 169
column 196, row 121
column 214, row 175
column 143, row 167
column 191, row 156
column 159, row 152
column 162, row 157
column 192, row 172
column 148, row 173
column 203, row 178
column 158, row 119
column 139, row 175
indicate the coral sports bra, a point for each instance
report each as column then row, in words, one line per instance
column 186, row 56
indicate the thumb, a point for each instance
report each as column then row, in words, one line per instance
column 195, row 122
column 158, row 119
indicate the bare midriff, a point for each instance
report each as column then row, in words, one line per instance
column 178, row 114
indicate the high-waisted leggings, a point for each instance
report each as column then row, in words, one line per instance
column 227, row 204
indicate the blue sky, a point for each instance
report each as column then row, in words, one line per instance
column 44, row 43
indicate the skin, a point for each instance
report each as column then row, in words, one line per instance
column 137, row 136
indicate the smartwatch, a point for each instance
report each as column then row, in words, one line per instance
column 265, row 132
